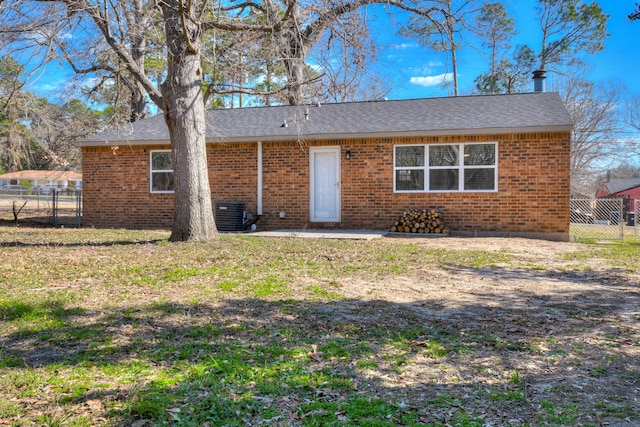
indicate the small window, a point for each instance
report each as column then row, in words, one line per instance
column 445, row 167
column 161, row 172
column 410, row 156
column 479, row 167
column 411, row 160
column 410, row 180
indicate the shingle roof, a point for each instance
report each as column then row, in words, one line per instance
column 530, row 112
column 42, row 174
column 622, row 185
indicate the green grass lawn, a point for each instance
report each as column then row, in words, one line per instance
column 123, row 328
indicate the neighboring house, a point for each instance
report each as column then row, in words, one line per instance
column 44, row 180
column 628, row 189
column 493, row 165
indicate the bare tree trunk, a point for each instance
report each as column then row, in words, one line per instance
column 184, row 115
column 138, row 104
column 454, row 48
column 138, row 26
column 295, row 66
column 454, row 65
column 138, row 99
column 294, row 52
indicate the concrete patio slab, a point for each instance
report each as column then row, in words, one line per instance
column 324, row 234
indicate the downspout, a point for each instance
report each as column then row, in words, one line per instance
column 259, row 207
column 251, row 223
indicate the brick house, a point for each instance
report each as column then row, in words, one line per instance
column 628, row 189
column 493, row 165
column 43, row 180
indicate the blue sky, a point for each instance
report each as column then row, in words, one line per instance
column 417, row 71
column 413, row 71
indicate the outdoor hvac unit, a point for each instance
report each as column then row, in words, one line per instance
column 229, row 216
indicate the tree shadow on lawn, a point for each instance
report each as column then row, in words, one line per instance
column 82, row 244
column 560, row 359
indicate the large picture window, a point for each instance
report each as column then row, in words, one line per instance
column 161, row 172
column 445, row 167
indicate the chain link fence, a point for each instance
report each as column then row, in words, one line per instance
column 50, row 206
column 599, row 219
column 636, row 220
column 66, row 206
column 591, row 218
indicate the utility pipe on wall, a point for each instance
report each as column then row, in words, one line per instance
column 259, row 207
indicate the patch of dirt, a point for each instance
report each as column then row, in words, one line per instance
column 574, row 328
column 37, row 219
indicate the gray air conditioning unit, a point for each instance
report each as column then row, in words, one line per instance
column 229, row 215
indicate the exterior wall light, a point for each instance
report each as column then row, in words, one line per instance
column 347, row 154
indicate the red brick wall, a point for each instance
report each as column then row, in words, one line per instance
column 115, row 189
column 533, row 185
column 233, row 173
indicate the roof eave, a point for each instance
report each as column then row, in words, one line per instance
column 117, row 143
column 355, row 135
column 393, row 134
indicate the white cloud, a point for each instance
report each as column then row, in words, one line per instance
column 428, row 81
column 425, row 69
column 402, row 46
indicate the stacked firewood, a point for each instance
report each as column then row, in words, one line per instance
column 420, row 221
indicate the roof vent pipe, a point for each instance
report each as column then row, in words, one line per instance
column 538, row 80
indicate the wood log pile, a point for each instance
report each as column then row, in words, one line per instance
column 420, row 221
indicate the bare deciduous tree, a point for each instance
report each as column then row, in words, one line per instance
column 179, row 96
column 444, row 31
column 56, row 129
column 597, row 125
column 122, row 25
column 312, row 20
column 344, row 58
column 632, row 109
column 14, row 144
column 34, row 133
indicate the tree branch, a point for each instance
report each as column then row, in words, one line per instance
column 316, row 28
column 243, row 6
column 102, row 22
column 185, row 31
column 211, row 89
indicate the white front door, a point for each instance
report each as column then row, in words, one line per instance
column 325, row 184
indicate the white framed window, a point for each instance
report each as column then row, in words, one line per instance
column 471, row 167
column 161, row 171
